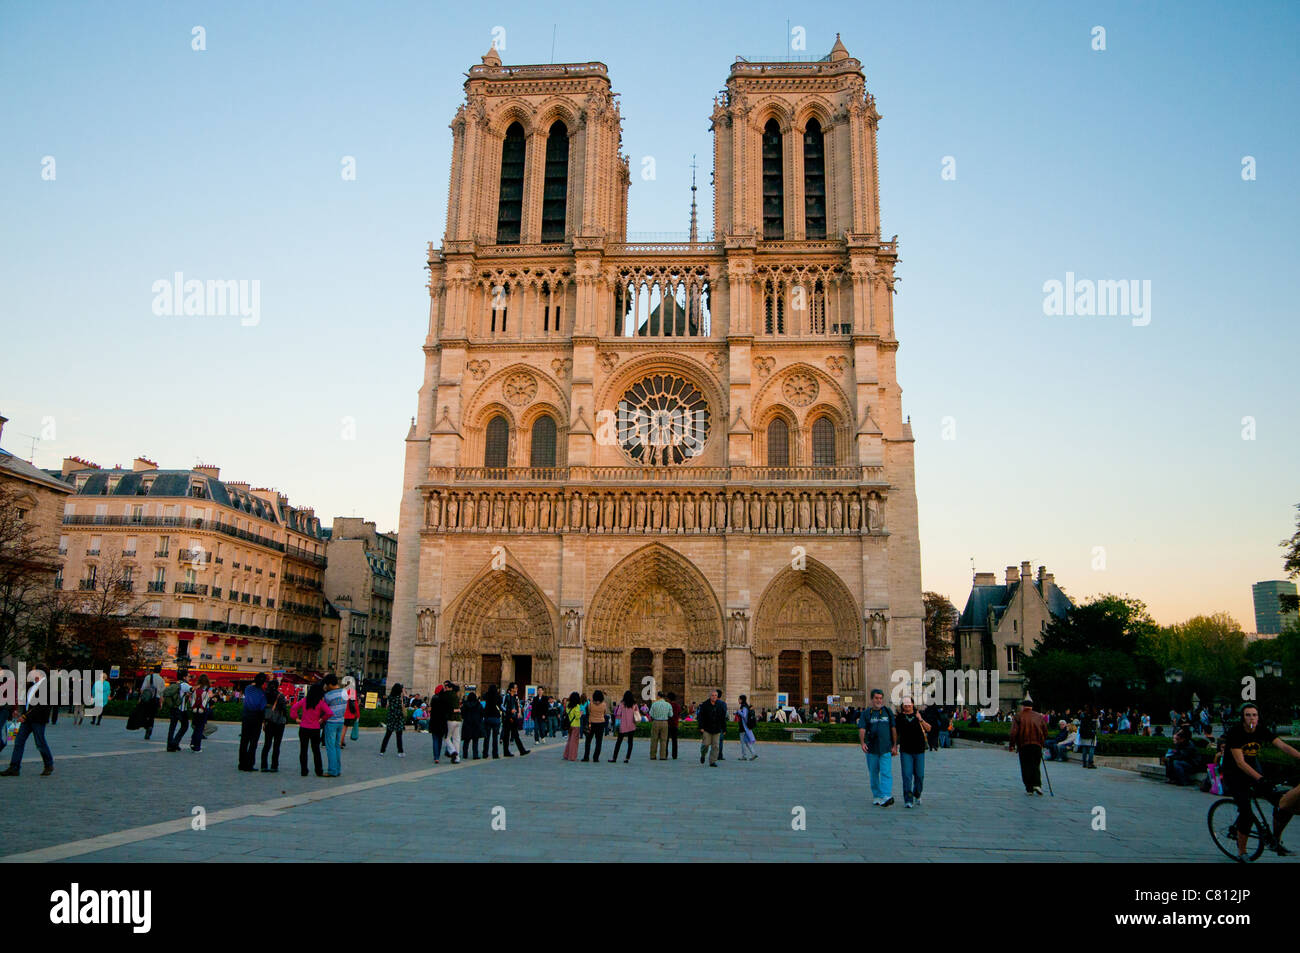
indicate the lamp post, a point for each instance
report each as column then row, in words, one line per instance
column 1173, row 678
column 1094, row 685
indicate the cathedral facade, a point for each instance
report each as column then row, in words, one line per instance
column 675, row 465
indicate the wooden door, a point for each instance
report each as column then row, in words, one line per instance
column 789, row 676
column 643, row 666
column 674, row 673
column 821, row 675
column 523, row 673
column 490, row 673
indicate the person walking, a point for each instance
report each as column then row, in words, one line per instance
column 596, row 710
column 31, row 724
column 537, row 710
column 438, row 722
column 878, row 736
column 748, row 720
column 311, row 712
column 471, row 710
column 180, row 711
column 455, row 723
column 103, row 692
column 660, row 714
column 200, row 711
column 573, row 719
column 914, row 734
column 554, row 711
column 625, row 718
column 351, row 714
column 712, row 721
column 274, row 717
column 491, row 721
column 673, row 722
column 151, row 690
column 1087, row 740
column 395, row 721
column 932, row 716
column 332, row 730
column 512, row 719
column 250, row 730
column 722, row 736
column 1027, row 736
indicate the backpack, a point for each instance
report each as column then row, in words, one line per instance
column 751, row 720
column 170, row 698
column 275, row 714
column 148, row 693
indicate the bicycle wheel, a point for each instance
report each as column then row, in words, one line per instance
column 1222, row 815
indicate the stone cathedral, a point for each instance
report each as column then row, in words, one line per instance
column 679, row 460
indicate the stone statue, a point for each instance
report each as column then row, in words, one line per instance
column 820, row 511
column 805, row 511
column 607, row 513
column 530, row 512
column 544, row 513
column 873, row 513
column 484, row 511
column 624, row 512
column 593, row 513
column 770, row 512
column 706, row 513
column 559, row 509
column 498, row 512
column 720, row 512
column 514, row 511
column 575, row 512
column 427, row 619
column 435, row 511
column 673, row 513
column 737, row 629
column 837, row 513
column 737, row 511
column 639, row 522
column 855, row 513
column 453, row 511
column 688, row 514
column 787, row 513
column 656, row 512
column 755, row 514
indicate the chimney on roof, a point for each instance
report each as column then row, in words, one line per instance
column 72, row 464
column 143, row 463
column 1026, row 573
column 208, row 470
column 1012, row 575
column 986, row 579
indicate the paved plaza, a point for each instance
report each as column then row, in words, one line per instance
column 114, row 797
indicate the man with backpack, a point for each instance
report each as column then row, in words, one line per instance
column 150, row 699
column 512, row 720
column 176, row 705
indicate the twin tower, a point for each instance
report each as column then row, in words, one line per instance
column 661, row 466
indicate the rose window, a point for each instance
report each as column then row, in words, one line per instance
column 662, row 420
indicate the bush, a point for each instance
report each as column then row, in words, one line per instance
column 765, row 731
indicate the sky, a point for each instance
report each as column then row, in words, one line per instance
column 1153, row 454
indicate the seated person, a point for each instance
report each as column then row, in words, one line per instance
column 1183, row 760
column 1066, row 738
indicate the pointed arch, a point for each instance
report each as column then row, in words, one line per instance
column 840, row 631
column 655, row 565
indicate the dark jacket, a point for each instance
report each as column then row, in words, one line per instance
column 438, row 715
column 1028, row 729
column 473, row 715
column 711, row 717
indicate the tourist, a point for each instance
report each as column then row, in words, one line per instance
column 491, row 720
column 1087, row 740
column 553, row 712
column 437, row 722
column 1064, row 740
column 537, row 710
column 878, row 737
column 31, row 723
column 351, row 714
column 711, row 717
column 178, row 694
column 1242, row 776
column 455, row 724
column 332, row 730
column 512, row 720
column 673, row 722
column 395, row 721
column 914, row 733
column 200, row 712
column 722, row 734
column 661, row 712
column 103, row 692
column 933, row 716
column 625, row 718
column 471, row 711
column 748, row 720
column 1027, row 737
column 573, row 719
column 1183, row 760
column 596, row 710
column 275, row 717
column 254, row 717
column 151, row 690
column 311, row 712
column 945, row 730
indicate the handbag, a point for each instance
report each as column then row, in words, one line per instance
column 355, row 733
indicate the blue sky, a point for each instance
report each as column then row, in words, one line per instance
column 1070, row 432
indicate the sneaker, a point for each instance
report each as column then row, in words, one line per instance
column 907, row 804
column 876, row 801
column 887, row 802
column 9, row 772
column 401, row 754
column 522, row 753
column 917, row 802
column 49, row 769
column 1038, row 791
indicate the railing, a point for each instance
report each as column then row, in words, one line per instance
column 190, row 589
column 128, row 552
column 216, row 592
column 157, row 587
column 92, row 552
column 214, row 526
column 678, row 475
column 161, row 553
column 125, row 585
column 86, row 585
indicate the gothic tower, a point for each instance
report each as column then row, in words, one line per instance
column 675, row 465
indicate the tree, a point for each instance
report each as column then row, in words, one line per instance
column 1109, row 622
column 91, row 625
column 1291, row 563
column 940, row 621
column 28, row 565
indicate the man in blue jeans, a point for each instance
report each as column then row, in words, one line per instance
column 34, row 719
column 879, row 739
column 337, row 699
column 251, row 724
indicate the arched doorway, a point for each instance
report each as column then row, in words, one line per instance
column 654, row 615
column 806, row 638
column 503, row 629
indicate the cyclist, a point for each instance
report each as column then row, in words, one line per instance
column 1241, row 774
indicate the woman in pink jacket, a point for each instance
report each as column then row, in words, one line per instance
column 311, row 712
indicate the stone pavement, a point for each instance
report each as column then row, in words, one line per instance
column 114, row 797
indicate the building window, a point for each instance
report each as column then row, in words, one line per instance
column 773, row 189
column 542, row 452
column 496, row 453
column 1013, row 658
column 555, row 189
column 814, row 181
column 823, row 442
column 778, row 443
column 510, row 206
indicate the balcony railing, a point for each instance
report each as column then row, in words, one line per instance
column 86, row 585
column 214, row 526
column 161, row 553
column 157, row 587
column 92, row 552
column 128, row 552
column 125, row 585
column 190, row 589
column 642, row 475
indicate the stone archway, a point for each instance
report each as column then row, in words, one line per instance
column 503, row 628
column 806, row 638
column 655, row 601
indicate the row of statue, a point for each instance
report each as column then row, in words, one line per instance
column 642, row 511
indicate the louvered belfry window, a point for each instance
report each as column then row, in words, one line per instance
column 555, row 189
column 496, row 453
column 778, row 444
column 542, row 453
column 823, row 442
column 773, row 189
column 814, row 181
column 510, row 206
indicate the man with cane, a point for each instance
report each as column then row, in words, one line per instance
column 1027, row 736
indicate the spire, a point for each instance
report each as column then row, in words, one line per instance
column 839, row 51
column 695, row 231
column 491, row 57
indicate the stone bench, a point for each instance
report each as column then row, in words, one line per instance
column 802, row 733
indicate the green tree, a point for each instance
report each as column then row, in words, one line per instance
column 1107, row 622
column 940, row 622
column 1291, row 563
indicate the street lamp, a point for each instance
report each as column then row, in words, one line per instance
column 1173, row 678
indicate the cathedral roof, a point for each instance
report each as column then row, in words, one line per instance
column 839, row 51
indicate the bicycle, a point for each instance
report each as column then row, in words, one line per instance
column 1222, row 819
